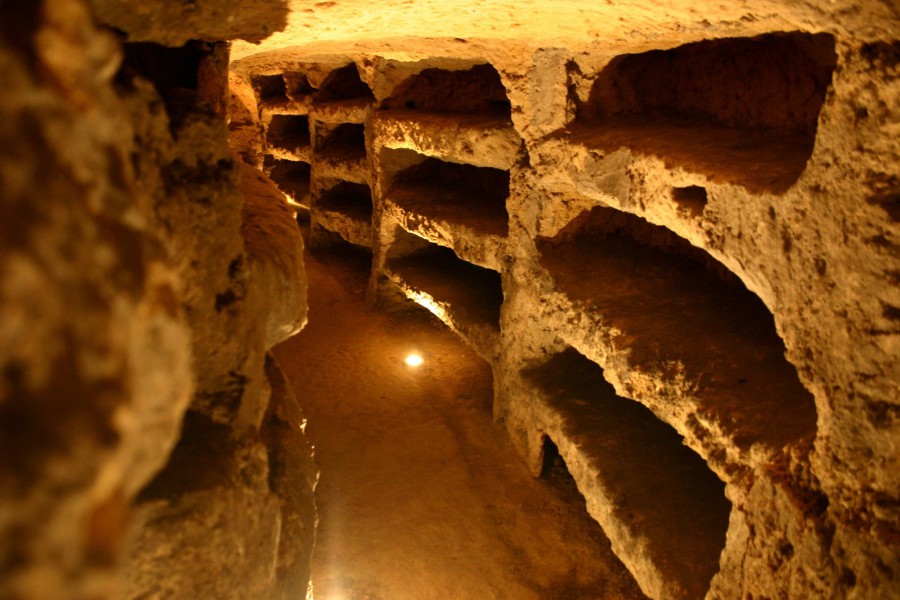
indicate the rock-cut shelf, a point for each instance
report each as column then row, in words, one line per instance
column 460, row 207
column 484, row 140
column 355, row 110
column 288, row 137
column 291, row 177
column 346, row 209
column 664, row 511
column 341, row 153
column 695, row 347
column 465, row 297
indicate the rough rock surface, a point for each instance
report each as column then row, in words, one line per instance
column 127, row 297
column 743, row 290
column 95, row 345
column 244, row 130
column 175, row 23
column 275, row 255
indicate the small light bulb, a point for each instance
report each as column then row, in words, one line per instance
column 413, row 360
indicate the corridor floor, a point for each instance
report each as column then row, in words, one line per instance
column 420, row 495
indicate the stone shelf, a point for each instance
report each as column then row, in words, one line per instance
column 759, row 160
column 461, row 207
column 355, row 110
column 664, row 511
column 484, row 140
column 741, row 111
column 291, row 177
column 299, row 107
column 343, row 97
column 465, row 297
column 346, row 209
column 288, row 137
column 341, row 153
column 690, row 343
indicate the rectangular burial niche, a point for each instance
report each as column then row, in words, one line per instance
column 352, row 200
column 297, row 86
column 674, row 302
column 271, row 90
column 291, row 177
column 345, row 142
column 344, row 84
column 478, row 90
column 739, row 110
column 663, row 509
column 288, row 132
column 474, row 197
column 459, row 293
column 343, row 208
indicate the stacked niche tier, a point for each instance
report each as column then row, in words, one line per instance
column 698, row 348
column 462, row 116
column 284, row 101
column 664, row 511
column 461, row 207
column 467, row 298
column 342, row 197
column 741, row 111
column 345, row 209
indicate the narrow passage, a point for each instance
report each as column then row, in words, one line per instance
column 420, row 495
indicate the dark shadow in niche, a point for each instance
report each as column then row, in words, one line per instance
column 351, row 199
column 346, row 142
column 288, row 132
column 478, row 90
column 271, row 90
column 474, row 294
column 291, row 177
column 738, row 110
column 654, row 487
column 344, row 84
column 461, row 194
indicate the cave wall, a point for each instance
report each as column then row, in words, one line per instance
column 149, row 446
column 782, row 207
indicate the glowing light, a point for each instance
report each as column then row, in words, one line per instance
column 413, row 360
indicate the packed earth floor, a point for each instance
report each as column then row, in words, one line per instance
column 420, row 496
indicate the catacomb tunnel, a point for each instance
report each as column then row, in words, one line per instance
column 427, row 301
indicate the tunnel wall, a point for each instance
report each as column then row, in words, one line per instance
column 144, row 277
column 759, row 230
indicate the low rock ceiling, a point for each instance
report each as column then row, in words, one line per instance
column 569, row 22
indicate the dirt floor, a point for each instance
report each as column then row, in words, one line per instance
column 420, row 495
